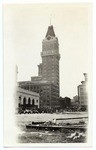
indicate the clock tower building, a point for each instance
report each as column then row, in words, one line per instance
column 47, row 81
column 50, row 58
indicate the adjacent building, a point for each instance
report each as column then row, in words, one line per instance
column 46, row 90
column 47, row 81
column 27, row 99
column 82, row 92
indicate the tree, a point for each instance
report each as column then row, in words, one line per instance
column 64, row 102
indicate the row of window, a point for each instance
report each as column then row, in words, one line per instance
column 51, row 68
column 40, row 88
column 48, row 47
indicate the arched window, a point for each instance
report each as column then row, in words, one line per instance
column 19, row 99
column 29, row 101
column 33, row 102
column 24, row 100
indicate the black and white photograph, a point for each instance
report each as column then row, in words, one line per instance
column 47, row 74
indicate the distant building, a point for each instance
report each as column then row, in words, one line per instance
column 27, row 99
column 82, row 92
column 47, row 81
column 75, row 100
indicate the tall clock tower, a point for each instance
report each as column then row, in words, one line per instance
column 47, row 81
column 50, row 58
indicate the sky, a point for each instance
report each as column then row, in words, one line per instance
column 25, row 26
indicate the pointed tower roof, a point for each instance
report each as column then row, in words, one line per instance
column 50, row 31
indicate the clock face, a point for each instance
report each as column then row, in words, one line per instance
column 48, row 38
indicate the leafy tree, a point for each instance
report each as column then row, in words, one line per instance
column 64, row 102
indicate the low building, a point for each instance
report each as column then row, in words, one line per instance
column 27, row 99
column 46, row 90
column 82, row 92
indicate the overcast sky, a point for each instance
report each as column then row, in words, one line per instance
column 25, row 27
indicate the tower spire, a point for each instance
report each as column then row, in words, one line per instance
column 50, row 31
column 50, row 19
column 16, row 75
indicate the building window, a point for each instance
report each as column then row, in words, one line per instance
column 44, row 100
column 19, row 97
column 24, row 101
column 33, row 102
column 29, row 101
column 37, row 101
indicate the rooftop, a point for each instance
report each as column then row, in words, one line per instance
column 50, row 31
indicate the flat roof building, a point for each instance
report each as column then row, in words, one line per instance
column 27, row 99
